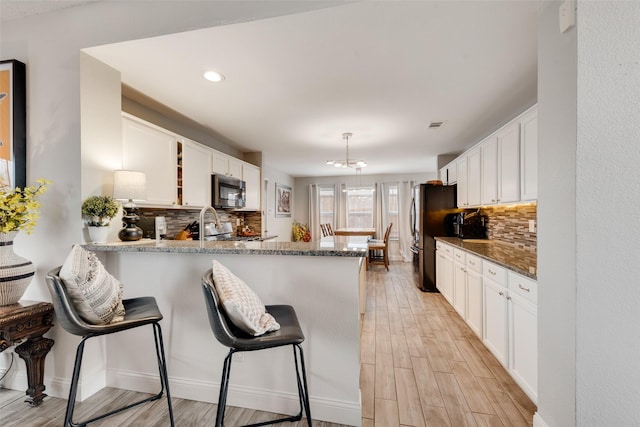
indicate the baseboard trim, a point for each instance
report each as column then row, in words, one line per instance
column 538, row 421
column 330, row 410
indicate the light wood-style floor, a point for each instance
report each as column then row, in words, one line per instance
column 421, row 366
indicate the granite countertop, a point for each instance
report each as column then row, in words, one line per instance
column 504, row 254
column 328, row 246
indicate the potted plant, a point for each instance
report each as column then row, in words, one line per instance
column 99, row 211
column 18, row 211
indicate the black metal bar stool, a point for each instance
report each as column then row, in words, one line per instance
column 139, row 312
column 230, row 336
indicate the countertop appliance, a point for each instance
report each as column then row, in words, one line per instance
column 470, row 225
column 430, row 206
column 227, row 192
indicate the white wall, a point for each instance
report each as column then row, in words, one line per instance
column 589, row 116
column 275, row 226
column 608, row 250
column 49, row 44
column 556, row 219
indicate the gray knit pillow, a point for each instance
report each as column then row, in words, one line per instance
column 96, row 294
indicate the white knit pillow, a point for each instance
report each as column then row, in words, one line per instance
column 241, row 304
column 96, row 294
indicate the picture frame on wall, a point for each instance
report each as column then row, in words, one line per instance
column 13, row 124
column 284, row 200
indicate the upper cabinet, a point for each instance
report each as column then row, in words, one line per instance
column 196, row 174
column 461, row 164
column 503, row 167
column 179, row 169
column 448, row 174
column 149, row 149
column 529, row 155
column 226, row 165
column 251, row 177
column 473, row 178
column 468, row 166
column 500, row 166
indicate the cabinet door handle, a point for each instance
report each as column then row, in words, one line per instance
column 492, row 272
column 508, row 297
column 501, row 293
column 523, row 288
column 472, row 263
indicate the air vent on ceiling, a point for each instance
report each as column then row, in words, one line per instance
column 436, row 125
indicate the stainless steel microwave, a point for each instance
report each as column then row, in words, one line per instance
column 227, row 192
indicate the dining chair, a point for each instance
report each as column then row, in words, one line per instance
column 323, row 228
column 380, row 245
column 329, row 229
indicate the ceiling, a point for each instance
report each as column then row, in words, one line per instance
column 381, row 70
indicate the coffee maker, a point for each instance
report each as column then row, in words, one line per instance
column 470, row 225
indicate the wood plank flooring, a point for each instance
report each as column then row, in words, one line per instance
column 420, row 366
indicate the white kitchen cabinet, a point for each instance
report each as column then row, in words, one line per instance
column 468, row 175
column 226, row 165
column 473, row 178
column 448, row 174
column 461, row 167
column 489, row 152
column 495, row 310
column 445, row 270
column 460, row 283
column 251, row 177
column 196, row 174
column 149, row 149
column 523, row 333
column 500, row 166
column 529, row 155
column 475, row 300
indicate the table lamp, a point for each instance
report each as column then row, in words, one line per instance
column 130, row 186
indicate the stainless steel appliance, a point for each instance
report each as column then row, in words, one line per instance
column 430, row 206
column 227, row 192
column 470, row 225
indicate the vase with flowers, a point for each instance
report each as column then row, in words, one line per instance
column 300, row 232
column 18, row 211
column 98, row 212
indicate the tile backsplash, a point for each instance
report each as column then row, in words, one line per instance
column 511, row 224
column 177, row 219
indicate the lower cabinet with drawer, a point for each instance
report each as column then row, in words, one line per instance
column 523, row 333
column 511, row 324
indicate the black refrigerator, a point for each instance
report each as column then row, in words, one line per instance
column 430, row 206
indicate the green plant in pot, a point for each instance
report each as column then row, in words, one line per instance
column 98, row 212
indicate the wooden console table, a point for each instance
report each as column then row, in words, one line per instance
column 28, row 320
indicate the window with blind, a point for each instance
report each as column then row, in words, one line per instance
column 327, row 204
column 392, row 210
column 360, row 205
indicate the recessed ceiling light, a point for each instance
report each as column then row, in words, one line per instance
column 213, row 76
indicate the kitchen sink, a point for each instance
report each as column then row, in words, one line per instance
column 477, row 240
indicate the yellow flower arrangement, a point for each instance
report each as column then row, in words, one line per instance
column 19, row 207
column 300, row 232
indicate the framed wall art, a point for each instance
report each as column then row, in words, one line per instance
column 283, row 200
column 13, row 124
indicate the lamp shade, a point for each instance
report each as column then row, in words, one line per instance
column 129, row 185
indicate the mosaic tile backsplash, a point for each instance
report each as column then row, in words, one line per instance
column 177, row 219
column 510, row 224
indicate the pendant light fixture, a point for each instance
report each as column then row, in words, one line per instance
column 347, row 162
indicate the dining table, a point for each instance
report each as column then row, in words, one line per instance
column 355, row 232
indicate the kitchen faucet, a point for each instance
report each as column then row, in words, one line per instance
column 217, row 223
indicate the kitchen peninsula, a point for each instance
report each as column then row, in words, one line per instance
column 322, row 280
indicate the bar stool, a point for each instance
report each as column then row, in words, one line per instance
column 139, row 312
column 230, row 336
